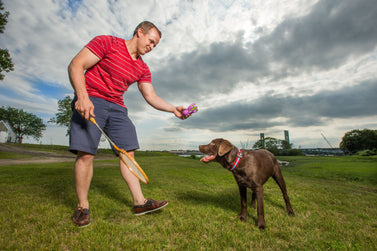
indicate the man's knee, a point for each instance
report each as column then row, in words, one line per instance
column 131, row 153
column 84, row 157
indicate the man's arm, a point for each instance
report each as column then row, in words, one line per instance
column 158, row 103
column 76, row 70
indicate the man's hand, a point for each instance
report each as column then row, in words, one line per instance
column 178, row 112
column 85, row 108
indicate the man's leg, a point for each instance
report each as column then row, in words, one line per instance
column 83, row 176
column 141, row 205
column 83, row 173
column 132, row 182
column 121, row 129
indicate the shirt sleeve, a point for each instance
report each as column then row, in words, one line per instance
column 146, row 78
column 99, row 45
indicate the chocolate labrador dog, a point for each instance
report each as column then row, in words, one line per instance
column 251, row 169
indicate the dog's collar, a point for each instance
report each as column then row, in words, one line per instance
column 237, row 161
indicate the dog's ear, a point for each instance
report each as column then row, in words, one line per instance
column 224, row 147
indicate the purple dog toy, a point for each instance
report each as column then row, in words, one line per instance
column 190, row 110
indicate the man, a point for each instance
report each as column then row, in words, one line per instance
column 100, row 74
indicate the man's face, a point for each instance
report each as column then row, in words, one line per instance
column 146, row 42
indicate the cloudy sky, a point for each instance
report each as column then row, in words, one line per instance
column 251, row 66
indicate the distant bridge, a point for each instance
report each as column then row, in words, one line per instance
column 322, row 151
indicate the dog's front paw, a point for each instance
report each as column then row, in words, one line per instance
column 261, row 224
column 242, row 217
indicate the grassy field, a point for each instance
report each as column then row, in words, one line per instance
column 335, row 200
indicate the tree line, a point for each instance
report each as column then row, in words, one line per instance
column 22, row 123
column 359, row 140
column 277, row 146
column 27, row 124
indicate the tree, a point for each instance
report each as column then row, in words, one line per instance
column 269, row 143
column 23, row 123
column 358, row 140
column 285, row 145
column 351, row 141
column 277, row 147
column 5, row 60
column 64, row 114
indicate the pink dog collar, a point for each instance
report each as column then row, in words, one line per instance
column 237, row 161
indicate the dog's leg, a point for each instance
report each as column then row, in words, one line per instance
column 243, row 195
column 278, row 177
column 253, row 198
column 260, row 207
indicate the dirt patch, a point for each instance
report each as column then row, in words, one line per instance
column 35, row 157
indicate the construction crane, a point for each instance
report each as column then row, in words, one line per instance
column 326, row 140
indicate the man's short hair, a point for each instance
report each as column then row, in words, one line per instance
column 146, row 26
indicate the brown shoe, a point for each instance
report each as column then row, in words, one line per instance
column 81, row 217
column 150, row 206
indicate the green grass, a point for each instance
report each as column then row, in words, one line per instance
column 64, row 150
column 344, row 168
column 6, row 155
column 36, row 147
column 333, row 211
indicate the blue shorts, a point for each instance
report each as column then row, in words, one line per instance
column 114, row 121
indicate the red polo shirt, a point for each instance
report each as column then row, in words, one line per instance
column 116, row 70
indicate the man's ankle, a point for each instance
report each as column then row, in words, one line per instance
column 140, row 202
column 83, row 206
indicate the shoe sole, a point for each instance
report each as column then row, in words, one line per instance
column 82, row 226
column 150, row 211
